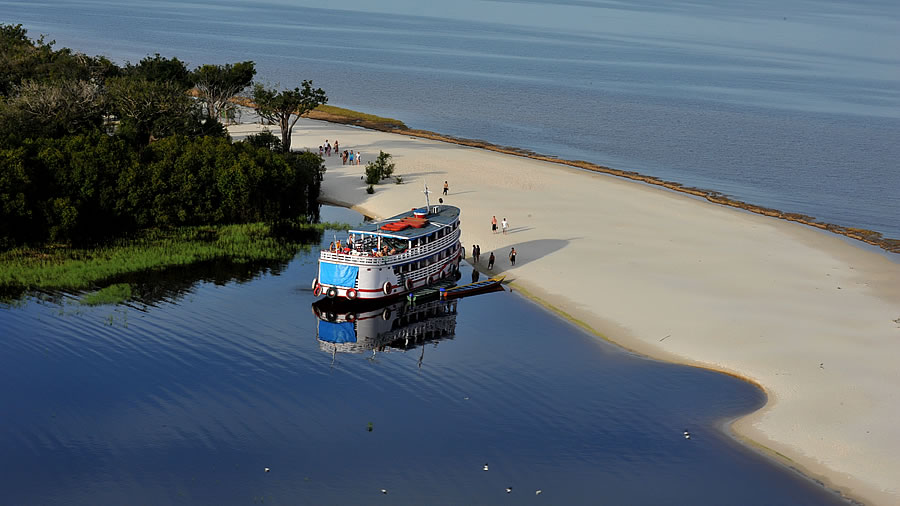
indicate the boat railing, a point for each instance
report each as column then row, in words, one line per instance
column 367, row 259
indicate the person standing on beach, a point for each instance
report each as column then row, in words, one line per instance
column 352, row 157
column 512, row 256
column 504, row 225
column 358, row 158
column 337, row 150
column 494, row 224
column 446, row 187
column 491, row 261
column 327, row 148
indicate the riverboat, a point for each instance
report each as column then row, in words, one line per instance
column 390, row 326
column 393, row 257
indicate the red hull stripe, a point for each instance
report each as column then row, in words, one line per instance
column 372, row 290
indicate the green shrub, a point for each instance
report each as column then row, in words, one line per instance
column 380, row 168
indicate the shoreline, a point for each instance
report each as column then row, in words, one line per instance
column 739, row 428
column 867, row 236
column 759, row 299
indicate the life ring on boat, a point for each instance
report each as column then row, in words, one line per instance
column 387, row 288
column 409, row 284
column 386, row 314
column 351, row 317
column 314, row 283
column 443, row 274
column 331, row 293
column 317, row 290
column 352, row 293
column 432, row 278
column 331, row 317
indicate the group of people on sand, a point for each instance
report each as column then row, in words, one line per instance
column 476, row 255
column 347, row 157
column 504, row 225
column 325, row 149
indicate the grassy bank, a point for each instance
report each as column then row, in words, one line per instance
column 341, row 115
column 25, row 270
column 335, row 114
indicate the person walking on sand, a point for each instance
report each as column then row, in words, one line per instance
column 475, row 253
column 446, row 187
column 494, row 224
column 491, row 261
column 504, row 225
column 512, row 257
column 337, row 150
column 352, row 158
column 358, row 158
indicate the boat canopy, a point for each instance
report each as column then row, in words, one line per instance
column 439, row 217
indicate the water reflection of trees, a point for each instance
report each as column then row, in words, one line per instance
column 150, row 288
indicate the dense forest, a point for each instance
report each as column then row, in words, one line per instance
column 90, row 150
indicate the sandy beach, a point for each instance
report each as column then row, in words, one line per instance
column 811, row 317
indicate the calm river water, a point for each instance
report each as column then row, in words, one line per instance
column 792, row 104
column 188, row 397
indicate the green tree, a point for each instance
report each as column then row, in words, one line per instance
column 148, row 110
column 161, row 69
column 56, row 109
column 22, row 59
column 380, row 168
column 15, row 185
column 217, row 84
column 286, row 107
column 265, row 139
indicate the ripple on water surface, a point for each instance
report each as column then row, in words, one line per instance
column 187, row 402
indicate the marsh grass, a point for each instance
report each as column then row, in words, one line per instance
column 56, row 267
column 361, row 116
column 112, row 294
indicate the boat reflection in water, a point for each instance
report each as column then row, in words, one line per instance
column 399, row 326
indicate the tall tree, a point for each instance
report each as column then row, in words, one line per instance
column 55, row 109
column 158, row 68
column 22, row 59
column 217, row 84
column 148, row 109
column 286, row 107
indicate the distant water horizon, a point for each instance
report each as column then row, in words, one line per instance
column 790, row 105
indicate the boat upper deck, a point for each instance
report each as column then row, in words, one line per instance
column 438, row 217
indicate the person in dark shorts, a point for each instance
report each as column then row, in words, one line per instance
column 512, row 256
column 491, row 261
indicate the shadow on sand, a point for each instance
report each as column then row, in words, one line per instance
column 525, row 253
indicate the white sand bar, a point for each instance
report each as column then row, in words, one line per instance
column 811, row 317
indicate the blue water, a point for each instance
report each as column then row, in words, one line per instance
column 790, row 104
column 186, row 397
